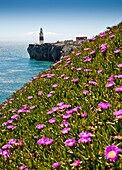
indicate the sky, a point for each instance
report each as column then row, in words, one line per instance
column 20, row 20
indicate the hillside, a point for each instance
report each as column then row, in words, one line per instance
column 69, row 116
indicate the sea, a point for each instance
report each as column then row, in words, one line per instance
column 16, row 68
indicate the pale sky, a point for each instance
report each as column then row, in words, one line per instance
column 20, row 20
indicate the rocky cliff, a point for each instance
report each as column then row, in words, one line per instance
column 51, row 51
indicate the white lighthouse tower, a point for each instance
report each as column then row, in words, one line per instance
column 41, row 37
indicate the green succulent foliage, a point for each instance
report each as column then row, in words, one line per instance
column 102, row 123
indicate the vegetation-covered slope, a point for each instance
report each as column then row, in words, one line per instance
column 69, row 116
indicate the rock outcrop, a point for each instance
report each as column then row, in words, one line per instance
column 51, row 51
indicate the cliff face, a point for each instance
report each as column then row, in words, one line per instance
column 50, row 51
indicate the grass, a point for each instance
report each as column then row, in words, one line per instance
column 65, row 82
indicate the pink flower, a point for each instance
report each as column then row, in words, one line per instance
column 65, row 130
column 12, row 141
column 52, row 120
column 11, row 127
column 66, row 78
column 111, row 152
column 40, row 126
column 75, row 80
column 92, row 39
column 45, row 141
column 84, row 115
column 86, row 49
column 15, row 116
column 93, row 52
column 30, row 97
column 99, row 71
column 67, row 116
column 85, row 92
column 70, row 142
column 40, row 93
column 76, row 163
column 87, row 60
column 110, row 84
column 7, row 146
column 103, row 105
column 120, row 65
column 93, row 83
column 118, row 89
column 49, row 95
column 55, row 85
column 64, row 124
column 79, row 69
column 118, row 112
column 55, row 165
column 117, row 51
column 112, row 36
column 6, row 154
column 23, row 167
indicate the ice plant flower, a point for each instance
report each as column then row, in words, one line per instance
column 65, row 130
column 66, row 78
column 70, row 142
column 84, row 140
column 92, row 39
column 111, row 152
column 99, row 71
column 85, row 92
column 84, row 115
column 76, row 163
column 11, row 127
column 117, row 51
column 93, row 83
column 79, row 69
column 30, row 97
column 85, row 137
column 118, row 112
column 6, row 154
column 7, row 146
column 87, row 60
column 87, row 70
column 40, row 126
column 12, row 141
column 55, row 165
column 93, row 52
column 16, row 116
column 49, row 95
column 118, row 89
column 110, row 84
column 86, row 49
column 23, row 167
column 75, row 80
column 120, row 65
column 64, row 124
column 85, row 134
column 55, row 85
column 40, row 93
column 103, row 105
column 52, row 120
column 112, row 36
column 67, row 116
column 45, row 141
column 103, row 47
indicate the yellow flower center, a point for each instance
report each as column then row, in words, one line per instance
column 112, row 154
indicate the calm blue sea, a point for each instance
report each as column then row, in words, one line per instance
column 16, row 68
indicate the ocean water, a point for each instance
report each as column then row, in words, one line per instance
column 16, row 68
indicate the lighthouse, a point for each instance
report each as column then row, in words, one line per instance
column 41, row 37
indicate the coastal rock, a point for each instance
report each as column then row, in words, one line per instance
column 51, row 51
